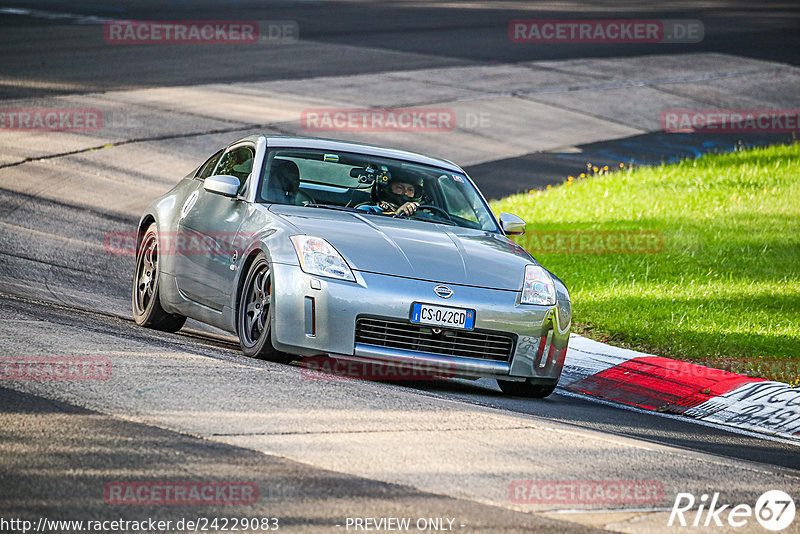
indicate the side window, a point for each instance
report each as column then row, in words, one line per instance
column 208, row 167
column 237, row 162
column 456, row 203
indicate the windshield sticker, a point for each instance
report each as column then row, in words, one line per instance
column 331, row 157
column 458, row 178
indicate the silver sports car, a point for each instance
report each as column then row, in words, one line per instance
column 319, row 248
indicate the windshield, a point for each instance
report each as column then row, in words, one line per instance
column 372, row 186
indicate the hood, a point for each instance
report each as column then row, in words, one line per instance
column 414, row 249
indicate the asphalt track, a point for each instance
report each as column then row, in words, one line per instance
column 188, row 406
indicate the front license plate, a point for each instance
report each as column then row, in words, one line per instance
column 442, row 316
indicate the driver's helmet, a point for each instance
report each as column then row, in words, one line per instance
column 383, row 192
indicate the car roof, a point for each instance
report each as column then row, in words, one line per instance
column 358, row 148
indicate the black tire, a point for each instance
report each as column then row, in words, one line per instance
column 254, row 313
column 526, row 389
column 147, row 310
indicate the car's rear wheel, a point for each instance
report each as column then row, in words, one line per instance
column 254, row 313
column 147, row 310
column 526, row 388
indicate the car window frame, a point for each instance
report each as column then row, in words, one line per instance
column 218, row 154
column 242, row 144
column 262, row 179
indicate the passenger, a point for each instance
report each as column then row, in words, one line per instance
column 284, row 183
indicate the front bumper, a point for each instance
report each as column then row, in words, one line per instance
column 317, row 316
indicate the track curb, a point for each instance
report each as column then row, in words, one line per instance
column 671, row 386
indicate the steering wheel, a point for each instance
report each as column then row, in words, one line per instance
column 431, row 207
column 302, row 198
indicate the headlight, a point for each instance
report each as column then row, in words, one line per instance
column 538, row 287
column 317, row 256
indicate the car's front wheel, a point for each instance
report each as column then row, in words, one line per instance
column 147, row 310
column 527, row 388
column 254, row 313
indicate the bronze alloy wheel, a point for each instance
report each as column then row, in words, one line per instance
column 254, row 313
column 147, row 310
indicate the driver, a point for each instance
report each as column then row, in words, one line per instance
column 400, row 195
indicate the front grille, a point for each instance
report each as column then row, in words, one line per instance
column 495, row 346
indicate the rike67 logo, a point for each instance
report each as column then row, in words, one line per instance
column 774, row 510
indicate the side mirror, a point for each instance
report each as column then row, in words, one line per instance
column 222, row 184
column 511, row 224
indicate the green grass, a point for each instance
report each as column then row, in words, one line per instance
column 724, row 290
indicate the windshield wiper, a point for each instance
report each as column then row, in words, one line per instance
column 333, row 207
column 434, row 221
